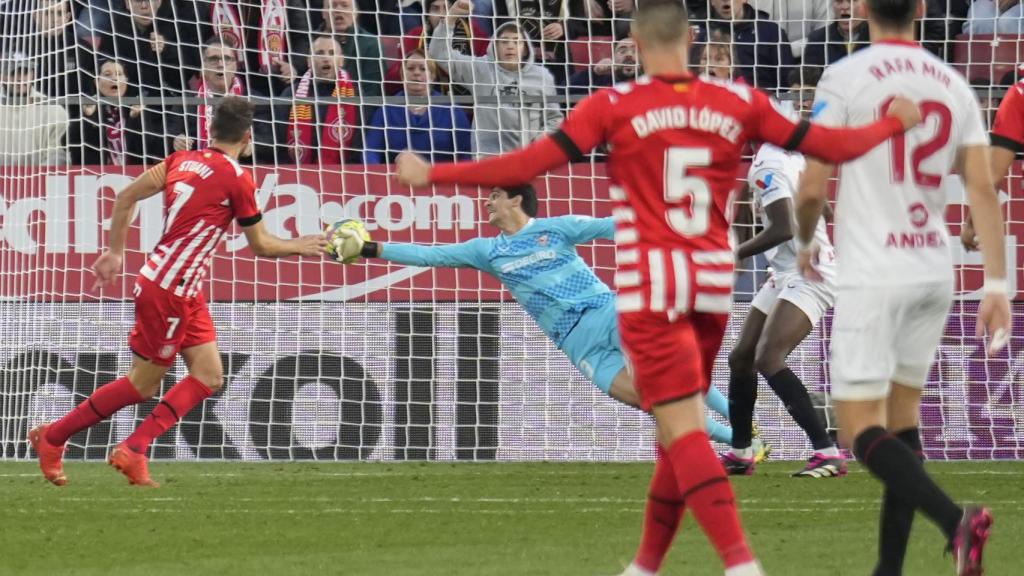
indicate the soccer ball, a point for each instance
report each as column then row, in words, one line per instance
column 345, row 240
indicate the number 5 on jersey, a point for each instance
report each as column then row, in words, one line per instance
column 680, row 188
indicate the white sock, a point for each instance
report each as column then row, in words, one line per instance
column 748, row 569
column 831, row 452
column 634, row 570
column 744, row 453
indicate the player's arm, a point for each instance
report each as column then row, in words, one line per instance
column 267, row 245
column 584, row 229
column 994, row 313
column 1007, row 142
column 810, row 202
column 582, row 131
column 149, row 183
column 780, row 229
column 830, row 144
column 462, row 255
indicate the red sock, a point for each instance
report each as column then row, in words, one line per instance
column 706, row 491
column 106, row 400
column 179, row 401
column 661, row 517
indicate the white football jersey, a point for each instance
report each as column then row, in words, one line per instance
column 773, row 176
column 890, row 220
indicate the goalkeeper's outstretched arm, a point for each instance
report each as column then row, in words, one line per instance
column 472, row 254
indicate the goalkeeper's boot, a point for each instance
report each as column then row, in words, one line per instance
column 50, row 456
column 735, row 465
column 969, row 540
column 133, row 465
column 761, row 448
column 823, row 466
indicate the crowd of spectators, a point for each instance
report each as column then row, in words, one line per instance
column 356, row 81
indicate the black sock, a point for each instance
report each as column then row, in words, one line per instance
column 742, row 397
column 896, row 465
column 794, row 396
column 897, row 519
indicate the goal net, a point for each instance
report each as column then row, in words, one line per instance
column 374, row 361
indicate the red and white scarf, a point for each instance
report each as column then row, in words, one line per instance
column 273, row 39
column 337, row 130
column 205, row 112
column 115, row 135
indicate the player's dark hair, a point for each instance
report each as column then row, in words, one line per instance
column 661, row 21
column 232, row 117
column 893, row 13
column 527, row 193
column 805, row 76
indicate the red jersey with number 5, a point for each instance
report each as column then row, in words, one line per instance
column 675, row 145
column 890, row 226
column 204, row 191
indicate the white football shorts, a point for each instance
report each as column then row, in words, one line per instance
column 813, row 298
column 886, row 334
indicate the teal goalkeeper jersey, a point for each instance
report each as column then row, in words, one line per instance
column 539, row 266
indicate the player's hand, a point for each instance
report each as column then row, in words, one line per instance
column 906, row 110
column 348, row 245
column 106, row 268
column 807, row 264
column 995, row 321
column 412, row 170
column 311, row 245
column 968, row 237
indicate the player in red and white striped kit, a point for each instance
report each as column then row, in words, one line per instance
column 675, row 145
column 205, row 191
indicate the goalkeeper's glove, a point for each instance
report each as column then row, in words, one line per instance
column 347, row 241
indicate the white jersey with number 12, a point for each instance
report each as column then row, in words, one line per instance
column 890, row 212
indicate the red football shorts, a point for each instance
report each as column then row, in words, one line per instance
column 166, row 324
column 671, row 358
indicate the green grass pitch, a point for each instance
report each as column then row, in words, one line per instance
column 446, row 519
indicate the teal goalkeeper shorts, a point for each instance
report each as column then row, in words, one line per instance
column 593, row 346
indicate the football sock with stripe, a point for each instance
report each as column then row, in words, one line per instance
column 706, row 491
column 788, row 387
column 179, row 401
column 102, row 404
column 897, row 518
column 742, row 397
column 662, row 515
column 900, row 469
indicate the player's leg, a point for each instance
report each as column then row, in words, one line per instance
column 662, row 514
column 897, row 516
column 786, row 327
column 743, row 389
column 672, row 366
column 141, row 382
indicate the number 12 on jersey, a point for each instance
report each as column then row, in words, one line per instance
column 924, row 150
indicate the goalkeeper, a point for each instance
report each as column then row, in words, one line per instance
column 536, row 259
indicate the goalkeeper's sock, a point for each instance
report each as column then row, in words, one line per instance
column 788, row 387
column 662, row 515
column 106, row 400
column 896, row 465
column 717, row 402
column 897, row 519
column 718, row 432
column 179, row 401
column 742, row 397
column 706, row 491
